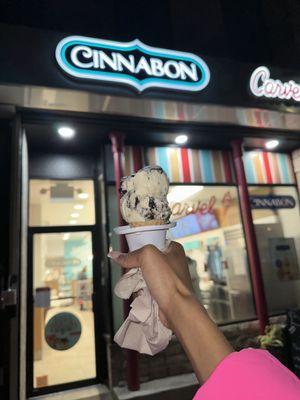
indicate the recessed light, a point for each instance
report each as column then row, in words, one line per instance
column 181, row 139
column 74, row 215
column 66, row 132
column 83, row 195
column 66, row 236
column 78, row 206
column 271, row 144
column 72, row 222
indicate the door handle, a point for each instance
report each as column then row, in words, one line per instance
column 8, row 296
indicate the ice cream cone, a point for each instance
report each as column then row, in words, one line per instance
column 144, row 205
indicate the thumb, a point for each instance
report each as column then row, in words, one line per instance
column 126, row 260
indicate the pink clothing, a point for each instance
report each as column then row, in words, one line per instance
column 250, row 375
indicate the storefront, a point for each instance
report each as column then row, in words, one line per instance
column 78, row 113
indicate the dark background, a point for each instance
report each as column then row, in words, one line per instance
column 258, row 31
column 252, row 31
column 5, row 160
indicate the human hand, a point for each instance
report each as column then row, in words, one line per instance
column 166, row 273
column 168, row 279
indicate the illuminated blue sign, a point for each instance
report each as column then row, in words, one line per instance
column 132, row 63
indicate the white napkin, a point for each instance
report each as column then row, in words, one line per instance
column 142, row 330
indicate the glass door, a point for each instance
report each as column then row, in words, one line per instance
column 63, row 317
column 62, row 286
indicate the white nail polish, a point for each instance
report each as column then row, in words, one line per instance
column 114, row 254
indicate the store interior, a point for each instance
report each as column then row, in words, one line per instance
column 215, row 246
column 62, row 214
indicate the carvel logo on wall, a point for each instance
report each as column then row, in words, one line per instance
column 132, row 63
column 272, row 202
column 262, row 85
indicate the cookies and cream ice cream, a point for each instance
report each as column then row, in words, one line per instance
column 144, row 197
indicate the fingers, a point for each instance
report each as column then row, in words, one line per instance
column 135, row 258
column 126, row 260
column 174, row 247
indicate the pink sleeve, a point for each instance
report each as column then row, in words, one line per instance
column 250, row 374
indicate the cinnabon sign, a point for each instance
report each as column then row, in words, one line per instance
column 131, row 63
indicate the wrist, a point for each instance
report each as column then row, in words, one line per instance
column 177, row 302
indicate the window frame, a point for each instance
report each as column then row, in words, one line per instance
column 292, row 185
column 233, row 184
column 97, row 298
column 62, row 180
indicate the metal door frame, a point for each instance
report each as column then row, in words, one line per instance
column 101, row 372
column 17, row 256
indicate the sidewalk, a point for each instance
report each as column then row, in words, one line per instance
column 181, row 387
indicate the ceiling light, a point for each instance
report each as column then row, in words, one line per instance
column 271, row 144
column 78, row 206
column 66, row 132
column 72, row 222
column 83, row 195
column 180, row 193
column 66, row 236
column 181, row 139
column 75, row 215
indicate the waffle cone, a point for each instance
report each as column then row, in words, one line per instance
column 148, row 223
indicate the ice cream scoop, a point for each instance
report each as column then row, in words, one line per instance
column 144, row 197
column 143, row 204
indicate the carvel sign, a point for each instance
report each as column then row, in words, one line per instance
column 262, row 85
column 272, row 202
column 132, row 63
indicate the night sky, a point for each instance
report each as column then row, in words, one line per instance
column 260, row 31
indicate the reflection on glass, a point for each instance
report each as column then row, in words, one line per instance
column 57, row 202
column 275, row 211
column 209, row 228
column 64, row 342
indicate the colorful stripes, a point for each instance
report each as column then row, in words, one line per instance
column 192, row 166
column 185, row 165
column 268, row 168
column 134, row 159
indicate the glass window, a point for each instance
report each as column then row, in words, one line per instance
column 275, row 211
column 210, row 230
column 63, row 318
column 57, row 202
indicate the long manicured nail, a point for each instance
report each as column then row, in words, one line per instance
column 114, row 254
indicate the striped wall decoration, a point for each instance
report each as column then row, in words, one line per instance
column 192, row 166
column 268, row 168
column 134, row 159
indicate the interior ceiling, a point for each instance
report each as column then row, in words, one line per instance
column 40, row 190
column 90, row 135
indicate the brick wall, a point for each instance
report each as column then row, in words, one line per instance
column 172, row 361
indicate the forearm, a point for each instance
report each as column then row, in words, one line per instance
column 201, row 339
